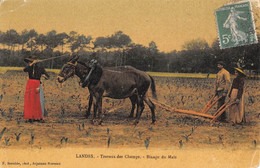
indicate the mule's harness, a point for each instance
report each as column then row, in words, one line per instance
column 92, row 64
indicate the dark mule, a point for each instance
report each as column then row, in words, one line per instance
column 125, row 82
column 61, row 78
column 133, row 100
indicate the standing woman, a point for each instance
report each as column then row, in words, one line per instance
column 237, row 110
column 34, row 98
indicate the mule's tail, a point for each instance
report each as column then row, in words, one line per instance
column 153, row 88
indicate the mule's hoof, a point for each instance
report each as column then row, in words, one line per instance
column 136, row 122
column 100, row 122
column 87, row 115
column 153, row 122
column 83, row 85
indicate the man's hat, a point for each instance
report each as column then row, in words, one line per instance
column 239, row 70
column 221, row 63
column 30, row 59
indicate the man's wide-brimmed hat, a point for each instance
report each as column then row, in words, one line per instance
column 221, row 63
column 30, row 59
column 239, row 70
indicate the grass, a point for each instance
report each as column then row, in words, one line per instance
column 180, row 93
column 4, row 69
column 155, row 74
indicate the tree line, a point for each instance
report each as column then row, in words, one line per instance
column 118, row 49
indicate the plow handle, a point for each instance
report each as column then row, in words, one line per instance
column 221, row 111
column 210, row 105
column 209, row 102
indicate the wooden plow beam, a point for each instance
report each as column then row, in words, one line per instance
column 208, row 106
column 168, row 108
column 113, row 109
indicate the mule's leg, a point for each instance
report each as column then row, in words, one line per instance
column 98, row 105
column 133, row 101
column 100, row 114
column 140, row 105
column 89, row 105
column 137, row 108
column 141, row 109
column 151, row 106
column 94, row 111
column 95, row 104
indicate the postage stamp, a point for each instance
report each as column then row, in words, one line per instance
column 236, row 25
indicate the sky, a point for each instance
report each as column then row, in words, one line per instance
column 169, row 23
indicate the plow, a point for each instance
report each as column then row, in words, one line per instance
column 203, row 112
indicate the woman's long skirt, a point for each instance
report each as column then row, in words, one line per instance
column 32, row 103
column 236, row 111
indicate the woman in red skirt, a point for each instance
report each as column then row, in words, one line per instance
column 33, row 110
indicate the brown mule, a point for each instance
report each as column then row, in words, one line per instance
column 123, row 82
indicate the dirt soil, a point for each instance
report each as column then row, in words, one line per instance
column 66, row 126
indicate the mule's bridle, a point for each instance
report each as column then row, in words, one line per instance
column 74, row 68
column 84, row 83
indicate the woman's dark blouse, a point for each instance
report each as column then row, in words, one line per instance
column 238, row 83
column 38, row 72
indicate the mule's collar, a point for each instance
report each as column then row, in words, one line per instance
column 86, row 82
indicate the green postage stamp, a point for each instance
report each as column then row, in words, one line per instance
column 236, row 25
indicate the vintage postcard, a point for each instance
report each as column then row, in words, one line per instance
column 129, row 83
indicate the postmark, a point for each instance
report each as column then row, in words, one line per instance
column 236, row 25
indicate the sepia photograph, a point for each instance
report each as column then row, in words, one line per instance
column 129, row 83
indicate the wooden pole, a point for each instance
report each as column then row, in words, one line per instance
column 64, row 55
column 223, row 106
column 193, row 113
column 209, row 102
column 208, row 108
column 113, row 109
column 164, row 106
column 222, row 111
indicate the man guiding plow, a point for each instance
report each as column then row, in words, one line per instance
column 222, row 86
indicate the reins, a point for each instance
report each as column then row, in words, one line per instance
column 87, row 77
